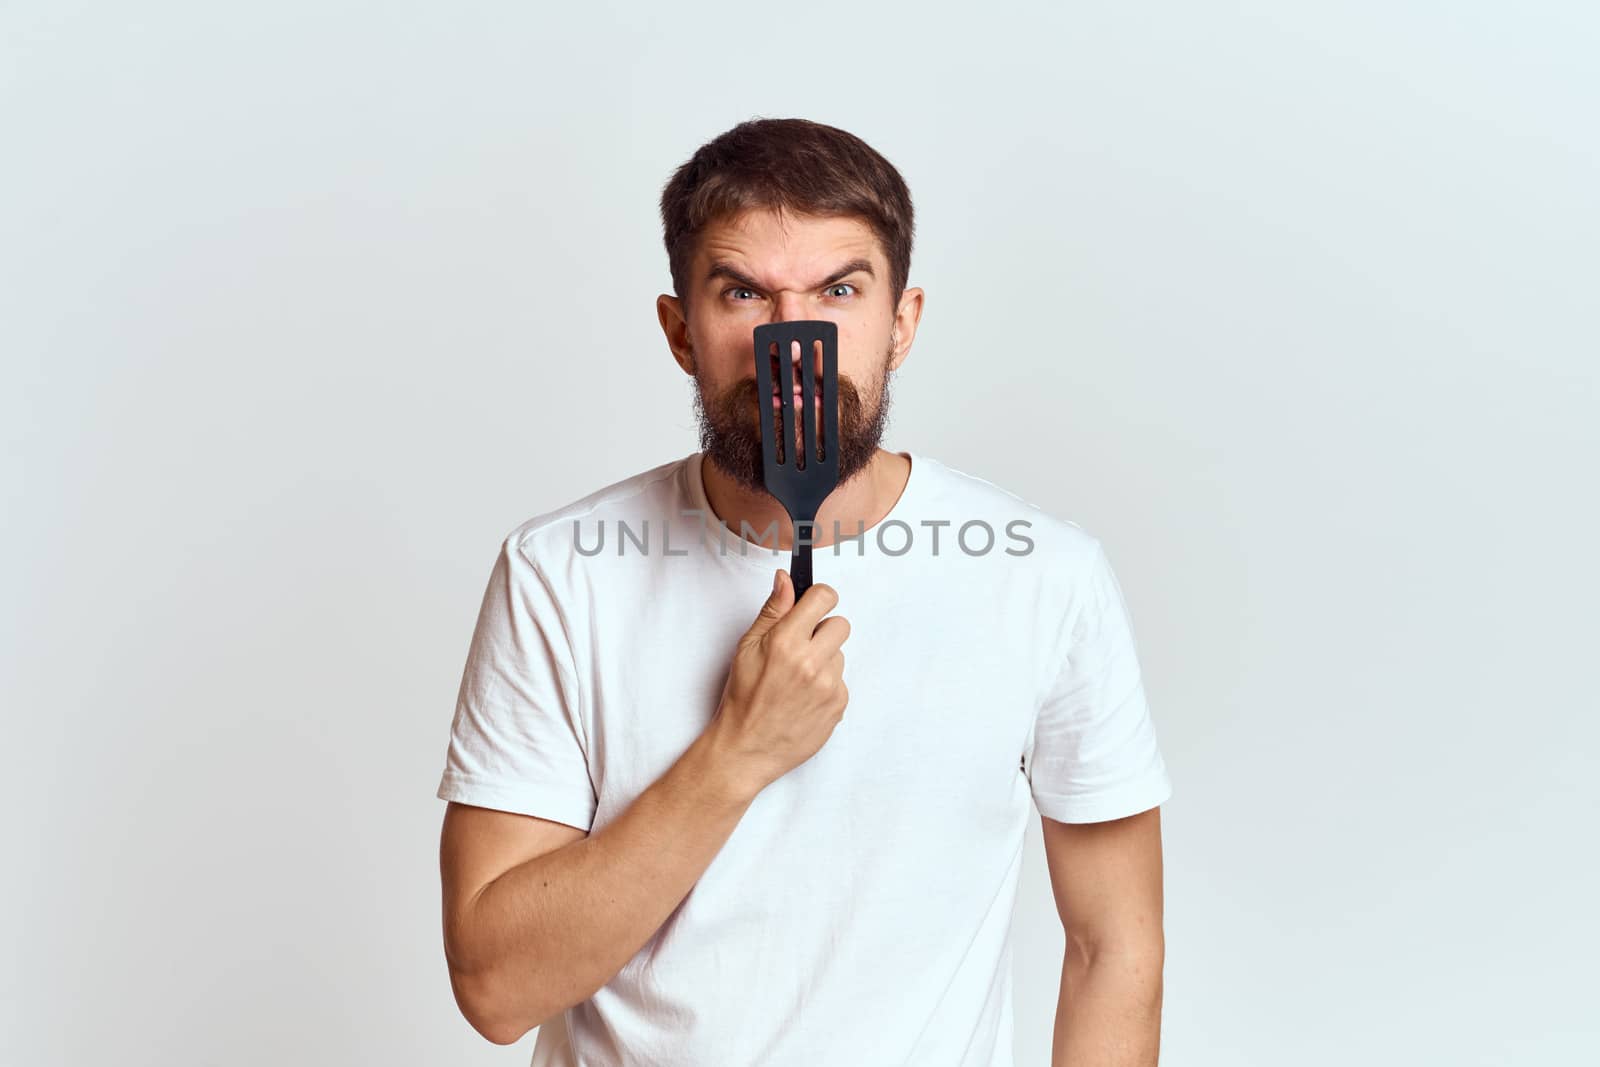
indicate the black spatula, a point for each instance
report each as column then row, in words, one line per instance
column 801, row 478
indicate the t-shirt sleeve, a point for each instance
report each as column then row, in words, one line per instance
column 517, row 741
column 1094, row 754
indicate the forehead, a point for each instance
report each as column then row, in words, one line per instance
column 806, row 246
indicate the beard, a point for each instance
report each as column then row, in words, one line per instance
column 730, row 435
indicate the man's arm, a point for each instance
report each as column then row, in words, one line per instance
column 1107, row 882
column 537, row 916
column 526, row 938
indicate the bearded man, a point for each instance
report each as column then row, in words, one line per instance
column 682, row 831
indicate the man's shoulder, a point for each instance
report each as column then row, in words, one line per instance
column 958, row 496
column 634, row 499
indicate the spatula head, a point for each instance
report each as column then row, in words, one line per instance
column 799, row 470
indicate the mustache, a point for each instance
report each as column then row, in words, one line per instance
column 748, row 390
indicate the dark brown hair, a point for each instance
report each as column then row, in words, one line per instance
column 792, row 166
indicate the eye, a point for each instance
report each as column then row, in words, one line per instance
column 841, row 285
column 737, row 289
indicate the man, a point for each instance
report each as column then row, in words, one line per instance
column 677, row 836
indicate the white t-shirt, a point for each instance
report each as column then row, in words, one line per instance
column 860, row 913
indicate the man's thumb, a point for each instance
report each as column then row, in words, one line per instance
column 777, row 605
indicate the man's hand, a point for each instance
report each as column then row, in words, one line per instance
column 785, row 692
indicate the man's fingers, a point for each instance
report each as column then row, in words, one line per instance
column 804, row 616
column 830, row 634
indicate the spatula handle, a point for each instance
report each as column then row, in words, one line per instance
column 800, row 562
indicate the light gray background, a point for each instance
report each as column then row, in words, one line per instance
column 304, row 306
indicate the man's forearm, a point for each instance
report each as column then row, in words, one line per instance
column 1109, row 1012
column 550, row 932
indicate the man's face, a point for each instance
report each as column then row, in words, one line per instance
column 761, row 268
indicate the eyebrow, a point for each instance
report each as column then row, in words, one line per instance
column 721, row 269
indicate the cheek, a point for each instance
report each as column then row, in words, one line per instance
column 732, row 343
column 723, row 356
column 862, row 352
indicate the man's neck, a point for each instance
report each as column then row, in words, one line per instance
column 861, row 503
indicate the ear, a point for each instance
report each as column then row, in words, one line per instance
column 675, row 324
column 904, row 330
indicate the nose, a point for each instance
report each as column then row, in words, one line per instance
column 805, row 361
column 791, row 305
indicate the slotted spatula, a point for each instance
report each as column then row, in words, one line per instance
column 804, row 477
